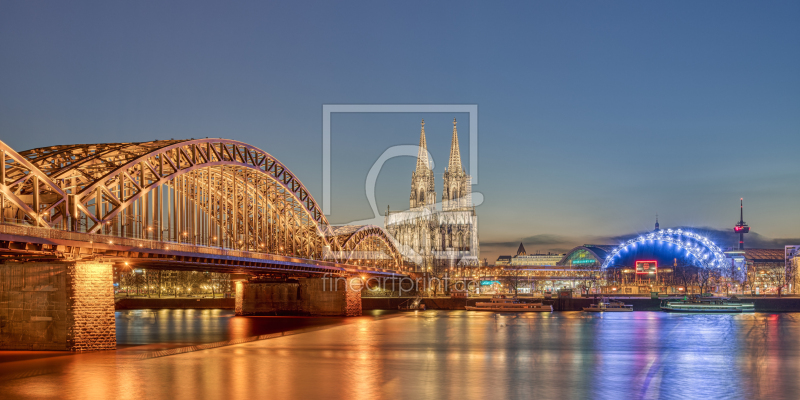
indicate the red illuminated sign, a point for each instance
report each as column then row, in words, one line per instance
column 646, row 267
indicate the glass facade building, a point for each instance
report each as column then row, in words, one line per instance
column 587, row 255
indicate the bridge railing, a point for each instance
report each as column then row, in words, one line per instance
column 146, row 244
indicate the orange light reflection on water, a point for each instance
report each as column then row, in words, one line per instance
column 442, row 354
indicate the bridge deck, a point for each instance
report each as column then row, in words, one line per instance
column 29, row 242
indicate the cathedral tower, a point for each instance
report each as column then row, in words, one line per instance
column 437, row 240
column 456, row 194
column 423, row 190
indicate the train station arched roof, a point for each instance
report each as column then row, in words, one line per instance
column 586, row 256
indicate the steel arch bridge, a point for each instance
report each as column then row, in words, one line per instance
column 697, row 246
column 202, row 192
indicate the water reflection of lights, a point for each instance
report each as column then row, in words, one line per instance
column 561, row 355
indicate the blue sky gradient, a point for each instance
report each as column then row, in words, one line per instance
column 593, row 117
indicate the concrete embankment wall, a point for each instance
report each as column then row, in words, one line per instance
column 440, row 303
column 573, row 304
column 305, row 296
column 391, row 303
column 444, row 303
column 769, row 304
column 155, row 303
column 172, row 303
column 775, row 304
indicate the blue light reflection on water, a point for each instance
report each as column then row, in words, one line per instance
column 636, row 355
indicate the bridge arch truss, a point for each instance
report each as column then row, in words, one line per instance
column 210, row 192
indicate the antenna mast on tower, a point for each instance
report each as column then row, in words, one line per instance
column 741, row 227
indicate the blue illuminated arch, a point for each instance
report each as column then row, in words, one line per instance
column 697, row 246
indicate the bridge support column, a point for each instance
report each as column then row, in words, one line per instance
column 57, row 306
column 326, row 296
column 238, row 305
column 353, row 297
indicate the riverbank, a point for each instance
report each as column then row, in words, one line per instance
column 762, row 304
column 142, row 303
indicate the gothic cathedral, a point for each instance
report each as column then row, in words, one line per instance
column 431, row 234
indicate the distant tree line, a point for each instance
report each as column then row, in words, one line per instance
column 160, row 283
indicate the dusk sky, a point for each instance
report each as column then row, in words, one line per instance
column 593, row 117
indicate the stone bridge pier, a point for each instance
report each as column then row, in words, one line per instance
column 323, row 296
column 57, row 306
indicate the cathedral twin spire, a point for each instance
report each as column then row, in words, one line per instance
column 423, row 190
column 422, row 156
column 423, row 162
column 456, row 193
column 455, row 153
column 456, row 181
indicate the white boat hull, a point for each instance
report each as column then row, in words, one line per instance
column 707, row 306
column 704, row 310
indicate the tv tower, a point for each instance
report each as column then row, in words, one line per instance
column 741, row 228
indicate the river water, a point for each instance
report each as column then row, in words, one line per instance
column 425, row 355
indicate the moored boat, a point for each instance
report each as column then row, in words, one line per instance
column 707, row 305
column 606, row 305
column 502, row 304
